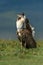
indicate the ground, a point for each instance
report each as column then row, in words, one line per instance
column 11, row 54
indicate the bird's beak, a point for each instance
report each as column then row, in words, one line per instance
column 19, row 15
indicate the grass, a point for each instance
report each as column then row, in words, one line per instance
column 10, row 54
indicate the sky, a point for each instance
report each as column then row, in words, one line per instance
column 9, row 9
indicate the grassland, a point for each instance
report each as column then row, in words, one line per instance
column 10, row 54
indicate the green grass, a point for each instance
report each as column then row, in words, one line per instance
column 10, row 54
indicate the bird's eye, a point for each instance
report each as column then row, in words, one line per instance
column 19, row 18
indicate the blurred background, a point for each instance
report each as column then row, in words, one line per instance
column 9, row 9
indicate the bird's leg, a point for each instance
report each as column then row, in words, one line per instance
column 21, row 47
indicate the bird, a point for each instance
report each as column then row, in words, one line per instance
column 25, row 32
